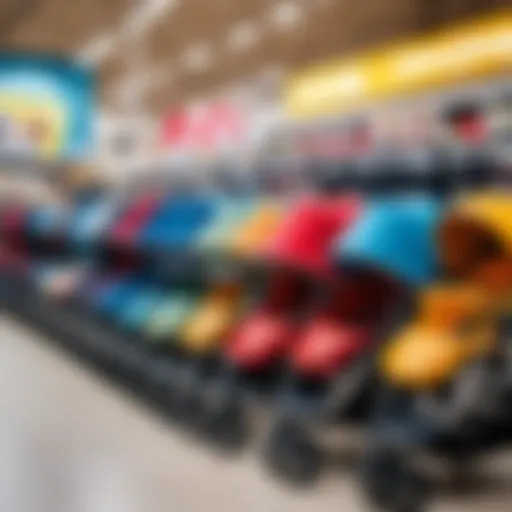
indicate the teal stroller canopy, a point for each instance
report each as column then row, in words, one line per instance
column 396, row 236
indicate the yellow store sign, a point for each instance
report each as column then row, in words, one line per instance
column 473, row 50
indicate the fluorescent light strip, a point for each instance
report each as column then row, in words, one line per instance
column 198, row 57
column 286, row 14
column 146, row 14
column 141, row 18
column 243, row 36
column 98, row 49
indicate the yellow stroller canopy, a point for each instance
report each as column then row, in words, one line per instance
column 475, row 239
column 456, row 322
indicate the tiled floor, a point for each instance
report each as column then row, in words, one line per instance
column 69, row 443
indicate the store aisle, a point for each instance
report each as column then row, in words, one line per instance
column 69, row 443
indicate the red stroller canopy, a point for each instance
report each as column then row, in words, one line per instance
column 305, row 238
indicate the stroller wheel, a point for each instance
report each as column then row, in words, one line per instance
column 188, row 407
column 140, row 378
column 392, row 485
column 113, row 369
column 160, row 386
column 227, row 427
column 293, row 456
column 155, row 390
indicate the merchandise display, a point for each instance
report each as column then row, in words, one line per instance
column 354, row 271
column 376, row 304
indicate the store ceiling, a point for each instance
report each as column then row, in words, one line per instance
column 192, row 47
column 56, row 25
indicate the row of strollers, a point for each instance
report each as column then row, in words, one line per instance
column 316, row 310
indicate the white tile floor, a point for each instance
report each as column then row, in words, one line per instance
column 69, row 443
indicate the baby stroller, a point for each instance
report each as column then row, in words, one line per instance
column 252, row 356
column 329, row 373
column 446, row 377
column 191, row 327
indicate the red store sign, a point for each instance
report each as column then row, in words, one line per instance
column 205, row 128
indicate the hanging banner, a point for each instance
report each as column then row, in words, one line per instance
column 450, row 57
column 46, row 108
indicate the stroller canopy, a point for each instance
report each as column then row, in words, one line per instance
column 396, row 236
column 230, row 214
column 46, row 219
column 475, row 239
column 304, row 240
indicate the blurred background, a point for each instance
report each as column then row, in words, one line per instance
column 172, row 79
column 103, row 101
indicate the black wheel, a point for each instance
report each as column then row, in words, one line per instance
column 188, row 407
column 505, row 329
column 153, row 380
column 412, row 495
column 125, row 374
column 505, row 342
column 159, row 382
column 391, row 484
column 111, row 367
column 172, row 400
column 227, row 427
column 293, row 456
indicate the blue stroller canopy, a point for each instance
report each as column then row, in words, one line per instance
column 178, row 222
column 114, row 296
column 139, row 308
column 90, row 221
column 46, row 220
column 396, row 236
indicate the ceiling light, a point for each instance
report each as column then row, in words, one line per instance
column 141, row 18
column 286, row 14
column 243, row 36
column 198, row 57
column 147, row 14
column 97, row 50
